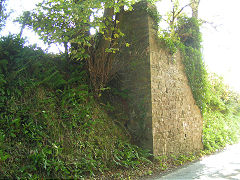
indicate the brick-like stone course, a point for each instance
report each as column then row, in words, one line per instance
column 176, row 119
column 163, row 114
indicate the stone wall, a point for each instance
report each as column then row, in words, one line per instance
column 163, row 116
column 176, row 119
column 135, row 75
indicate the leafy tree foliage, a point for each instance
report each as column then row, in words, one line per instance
column 69, row 22
column 58, row 21
column 3, row 14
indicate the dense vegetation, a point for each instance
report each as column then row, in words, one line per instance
column 222, row 116
column 50, row 124
column 53, row 123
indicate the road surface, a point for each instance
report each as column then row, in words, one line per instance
column 223, row 165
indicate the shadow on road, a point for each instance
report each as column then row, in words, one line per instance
column 222, row 165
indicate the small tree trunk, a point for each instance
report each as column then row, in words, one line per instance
column 22, row 28
column 104, row 43
column 99, row 63
column 66, row 50
column 194, row 5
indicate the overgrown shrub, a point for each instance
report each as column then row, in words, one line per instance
column 221, row 120
column 220, row 130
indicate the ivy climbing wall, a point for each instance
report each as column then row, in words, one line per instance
column 163, row 115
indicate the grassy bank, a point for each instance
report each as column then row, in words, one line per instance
column 51, row 126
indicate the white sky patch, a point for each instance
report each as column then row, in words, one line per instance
column 19, row 6
column 221, row 46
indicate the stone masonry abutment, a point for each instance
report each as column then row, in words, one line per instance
column 163, row 115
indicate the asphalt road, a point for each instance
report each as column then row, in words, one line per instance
column 222, row 165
